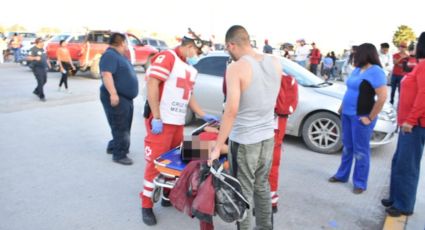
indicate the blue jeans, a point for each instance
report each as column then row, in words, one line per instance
column 395, row 83
column 355, row 138
column 405, row 169
column 119, row 118
column 302, row 63
column 16, row 53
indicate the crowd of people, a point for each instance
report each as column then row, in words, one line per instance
column 249, row 116
column 249, row 113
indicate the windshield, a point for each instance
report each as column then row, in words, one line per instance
column 302, row 75
column 58, row 38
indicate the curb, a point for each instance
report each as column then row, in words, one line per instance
column 395, row 223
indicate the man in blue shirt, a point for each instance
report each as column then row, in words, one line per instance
column 40, row 65
column 120, row 86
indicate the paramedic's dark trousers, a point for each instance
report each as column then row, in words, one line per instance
column 251, row 165
column 40, row 74
column 405, row 169
column 119, row 119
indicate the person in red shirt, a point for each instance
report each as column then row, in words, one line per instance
column 398, row 71
column 407, row 157
column 170, row 81
column 315, row 57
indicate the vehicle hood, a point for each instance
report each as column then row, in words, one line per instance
column 335, row 90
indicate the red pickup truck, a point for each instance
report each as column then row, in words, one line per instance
column 75, row 43
column 87, row 51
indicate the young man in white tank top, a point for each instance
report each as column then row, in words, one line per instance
column 253, row 83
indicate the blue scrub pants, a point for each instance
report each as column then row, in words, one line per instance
column 405, row 169
column 355, row 138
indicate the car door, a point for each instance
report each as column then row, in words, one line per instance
column 75, row 45
column 208, row 89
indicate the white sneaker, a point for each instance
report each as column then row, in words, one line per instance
column 59, row 89
column 68, row 91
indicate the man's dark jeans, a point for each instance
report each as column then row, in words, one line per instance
column 395, row 83
column 313, row 68
column 119, row 118
column 40, row 74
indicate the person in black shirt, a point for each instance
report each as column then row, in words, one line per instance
column 40, row 65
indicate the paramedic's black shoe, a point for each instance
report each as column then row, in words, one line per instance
column 124, row 161
column 386, row 202
column 396, row 213
column 274, row 209
column 148, row 216
column 165, row 203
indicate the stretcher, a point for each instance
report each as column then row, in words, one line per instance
column 170, row 166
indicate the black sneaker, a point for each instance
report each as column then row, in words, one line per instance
column 396, row 213
column 124, row 161
column 148, row 216
column 386, row 202
column 43, row 99
column 165, row 203
column 109, row 151
column 274, row 209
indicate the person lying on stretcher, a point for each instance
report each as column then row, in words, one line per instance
column 200, row 144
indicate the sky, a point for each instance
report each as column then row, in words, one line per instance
column 332, row 24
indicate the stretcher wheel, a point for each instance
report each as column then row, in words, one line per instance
column 156, row 194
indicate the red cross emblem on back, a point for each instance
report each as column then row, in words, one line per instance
column 186, row 84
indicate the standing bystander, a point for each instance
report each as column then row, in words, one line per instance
column 398, row 71
column 315, row 58
column 359, row 111
column 406, row 163
column 119, row 88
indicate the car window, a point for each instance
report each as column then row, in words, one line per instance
column 302, row 75
column 214, row 65
column 134, row 41
column 28, row 35
column 162, row 43
column 99, row 37
column 58, row 38
column 153, row 42
column 77, row 39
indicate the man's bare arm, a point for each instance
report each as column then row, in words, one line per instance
column 153, row 96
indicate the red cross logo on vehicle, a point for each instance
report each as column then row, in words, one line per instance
column 186, row 84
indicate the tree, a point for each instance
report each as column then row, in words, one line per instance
column 403, row 34
column 17, row 28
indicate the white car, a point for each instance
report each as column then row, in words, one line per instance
column 316, row 118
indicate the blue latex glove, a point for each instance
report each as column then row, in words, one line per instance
column 156, row 126
column 210, row 118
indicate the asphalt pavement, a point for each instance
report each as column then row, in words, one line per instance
column 55, row 173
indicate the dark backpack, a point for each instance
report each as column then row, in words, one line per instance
column 230, row 204
column 287, row 100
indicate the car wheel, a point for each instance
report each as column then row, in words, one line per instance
column 94, row 68
column 321, row 133
column 189, row 116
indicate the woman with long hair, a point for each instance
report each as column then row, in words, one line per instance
column 359, row 111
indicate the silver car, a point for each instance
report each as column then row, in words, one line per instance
column 316, row 119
